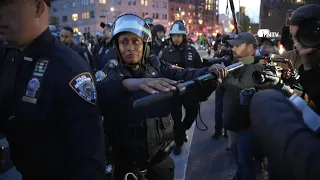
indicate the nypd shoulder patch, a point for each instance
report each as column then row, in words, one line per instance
column 84, row 86
column 100, row 75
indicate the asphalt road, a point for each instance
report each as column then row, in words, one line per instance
column 204, row 158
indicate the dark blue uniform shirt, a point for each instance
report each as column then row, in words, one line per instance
column 49, row 113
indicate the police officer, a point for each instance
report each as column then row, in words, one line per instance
column 106, row 51
column 47, row 99
column 183, row 55
column 98, row 44
column 158, row 33
column 66, row 37
column 281, row 128
column 140, row 138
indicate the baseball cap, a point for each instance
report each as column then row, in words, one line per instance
column 244, row 37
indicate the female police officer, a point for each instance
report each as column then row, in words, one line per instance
column 137, row 136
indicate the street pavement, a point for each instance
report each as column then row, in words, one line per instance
column 204, row 158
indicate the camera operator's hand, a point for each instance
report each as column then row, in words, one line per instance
column 286, row 74
column 274, row 82
column 220, row 71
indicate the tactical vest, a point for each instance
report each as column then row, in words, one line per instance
column 143, row 131
column 172, row 56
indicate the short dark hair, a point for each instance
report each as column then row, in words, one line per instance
column 68, row 28
column 48, row 2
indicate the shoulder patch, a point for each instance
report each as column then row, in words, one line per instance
column 84, row 86
column 100, row 75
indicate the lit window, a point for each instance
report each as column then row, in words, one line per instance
column 74, row 17
column 144, row 2
column 102, row 1
column 85, row 15
column 75, row 30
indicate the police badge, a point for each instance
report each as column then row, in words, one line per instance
column 84, row 86
column 33, row 86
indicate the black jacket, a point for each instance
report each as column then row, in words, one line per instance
column 85, row 54
column 185, row 56
column 136, row 135
column 48, row 108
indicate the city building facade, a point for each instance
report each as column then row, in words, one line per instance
column 86, row 15
column 273, row 12
column 201, row 16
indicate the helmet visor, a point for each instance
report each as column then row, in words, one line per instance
column 134, row 24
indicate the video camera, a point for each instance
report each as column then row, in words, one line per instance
column 272, row 68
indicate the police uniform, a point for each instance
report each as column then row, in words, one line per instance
column 48, row 109
column 85, row 54
column 139, row 136
column 156, row 48
column 105, row 54
column 184, row 56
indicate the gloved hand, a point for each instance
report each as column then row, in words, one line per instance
column 274, row 82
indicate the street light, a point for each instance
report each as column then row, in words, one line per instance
column 112, row 9
column 200, row 21
column 182, row 13
column 298, row 1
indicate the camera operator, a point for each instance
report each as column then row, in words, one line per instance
column 236, row 116
column 279, row 125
